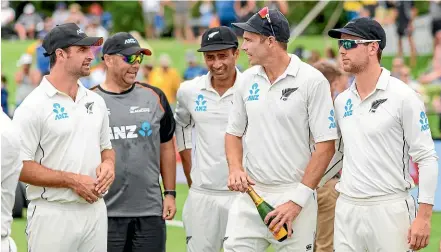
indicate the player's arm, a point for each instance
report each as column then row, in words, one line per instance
column 422, row 150
column 336, row 163
column 105, row 172
column 184, row 126
column 167, row 157
column 238, row 180
column 28, row 123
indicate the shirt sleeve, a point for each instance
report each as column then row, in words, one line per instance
column 27, row 122
column 105, row 143
column 167, row 123
column 421, row 147
column 238, row 118
column 184, row 122
column 321, row 112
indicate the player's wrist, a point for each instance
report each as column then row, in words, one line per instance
column 301, row 195
column 170, row 193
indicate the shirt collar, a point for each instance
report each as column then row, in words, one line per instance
column 292, row 69
column 51, row 90
column 382, row 82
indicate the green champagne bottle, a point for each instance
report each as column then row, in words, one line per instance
column 264, row 208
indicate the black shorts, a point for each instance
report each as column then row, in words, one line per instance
column 402, row 28
column 136, row 234
column 436, row 26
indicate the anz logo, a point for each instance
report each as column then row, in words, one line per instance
column 130, row 41
column 59, row 112
column 424, row 121
column 201, row 104
column 131, row 131
column 348, row 108
column 254, row 92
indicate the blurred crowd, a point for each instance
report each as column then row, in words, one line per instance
column 190, row 19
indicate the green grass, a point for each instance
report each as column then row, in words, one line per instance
column 176, row 235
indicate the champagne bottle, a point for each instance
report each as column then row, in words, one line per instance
column 264, row 208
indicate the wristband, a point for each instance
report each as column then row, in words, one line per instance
column 301, row 195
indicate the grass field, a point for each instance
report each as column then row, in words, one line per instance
column 11, row 51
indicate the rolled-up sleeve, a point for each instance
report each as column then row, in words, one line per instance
column 184, row 122
column 421, row 147
column 238, row 119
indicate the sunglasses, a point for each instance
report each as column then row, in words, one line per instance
column 131, row 59
column 351, row 44
column 264, row 13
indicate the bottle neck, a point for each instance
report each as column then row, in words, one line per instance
column 254, row 196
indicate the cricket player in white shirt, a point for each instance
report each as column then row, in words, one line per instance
column 11, row 167
column 281, row 108
column 67, row 156
column 204, row 103
column 383, row 123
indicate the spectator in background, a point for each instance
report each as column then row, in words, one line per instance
column 405, row 12
column 95, row 29
column 146, row 70
column 194, row 69
column 244, row 9
column 315, row 57
column 225, row 12
column 4, row 95
column 182, row 27
column 397, row 64
column 28, row 23
column 435, row 13
column 331, row 56
column 76, row 16
column 280, row 5
column 25, row 78
column 166, row 78
column 43, row 62
column 405, row 76
column 8, row 15
column 434, row 75
column 206, row 17
column 150, row 9
column 60, row 14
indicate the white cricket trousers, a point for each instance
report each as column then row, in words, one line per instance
column 67, row 227
column 8, row 244
column 205, row 217
column 246, row 231
column 378, row 224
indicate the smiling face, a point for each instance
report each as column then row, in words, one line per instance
column 355, row 60
column 221, row 64
column 255, row 48
column 121, row 71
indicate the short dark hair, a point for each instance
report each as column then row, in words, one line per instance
column 283, row 45
column 53, row 57
column 379, row 53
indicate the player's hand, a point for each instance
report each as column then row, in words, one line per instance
column 238, row 180
column 105, row 174
column 169, row 208
column 283, row 214
column 85, row 187
column 418, row 234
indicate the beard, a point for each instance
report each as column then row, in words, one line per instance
column 356, row 67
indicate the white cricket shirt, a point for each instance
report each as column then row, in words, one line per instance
column 11, row 167
column 62, row 134
column 279, row 122
column 380, row 134
column 200, row 106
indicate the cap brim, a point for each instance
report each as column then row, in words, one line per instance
column 215, row 47
column 246, row 27
column 336, row 33
column 136, row 50
column 90, row 41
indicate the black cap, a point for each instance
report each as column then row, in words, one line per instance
column 65, row 35
column 123, row 43
column 365, row 28
column 218, row 38
column 260, row 23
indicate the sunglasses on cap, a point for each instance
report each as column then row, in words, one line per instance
column 351, row 44
column 264, row 14
column 131, row 59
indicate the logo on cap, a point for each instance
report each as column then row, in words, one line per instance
column 79, row 31
column 211, row 35
column 130, row 41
